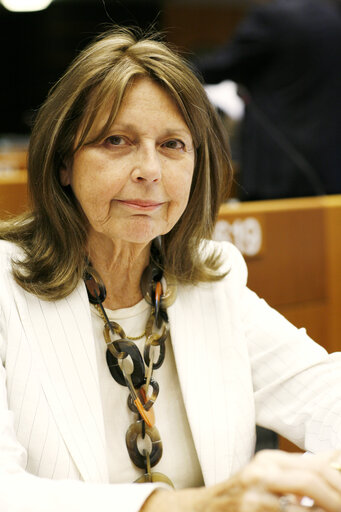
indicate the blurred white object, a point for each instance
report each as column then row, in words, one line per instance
column 225, row 97
column 307, row 502
column 25, row 5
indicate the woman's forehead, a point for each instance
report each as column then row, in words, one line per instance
column 102, row 111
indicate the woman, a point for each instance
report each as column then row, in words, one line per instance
column 127, row 168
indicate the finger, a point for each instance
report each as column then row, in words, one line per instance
column 232, row 496
column 291, row 473
column 331, row 458
column 322, row 464
column 255, row 500
column 273, row 461
column 304, row 483
column 298, row 508
column 336, row 465
column 251, row 500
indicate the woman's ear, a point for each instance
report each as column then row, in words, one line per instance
column 65, row 174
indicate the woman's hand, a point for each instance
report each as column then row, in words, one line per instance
column 260, row 487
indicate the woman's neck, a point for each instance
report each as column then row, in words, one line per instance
column 120, row 268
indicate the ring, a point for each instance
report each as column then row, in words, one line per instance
column 287, row 500
column 307, row 502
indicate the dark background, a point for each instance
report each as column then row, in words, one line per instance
column 37, row 47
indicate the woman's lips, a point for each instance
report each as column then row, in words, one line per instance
column 139, row 204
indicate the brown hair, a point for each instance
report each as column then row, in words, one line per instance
column 53, row 234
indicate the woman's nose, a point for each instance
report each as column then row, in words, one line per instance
column 147, row 166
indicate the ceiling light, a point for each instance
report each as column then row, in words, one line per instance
column 25, row 5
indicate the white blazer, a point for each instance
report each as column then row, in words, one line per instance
column 238, row 362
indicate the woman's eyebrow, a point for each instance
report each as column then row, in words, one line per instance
column 172, row 131
column 168, row 131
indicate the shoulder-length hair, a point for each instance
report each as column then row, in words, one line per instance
column 53, row 234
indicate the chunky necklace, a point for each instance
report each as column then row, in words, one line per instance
column 138, row 382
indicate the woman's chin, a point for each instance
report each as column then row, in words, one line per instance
column 143, row 232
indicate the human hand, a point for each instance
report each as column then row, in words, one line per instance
column 273, row 481
column 290, row 478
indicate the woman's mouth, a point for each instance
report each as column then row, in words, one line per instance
column 140, row 204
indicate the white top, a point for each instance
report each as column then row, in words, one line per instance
column 179, row 459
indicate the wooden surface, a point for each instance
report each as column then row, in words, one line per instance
column 13, row 159
column 296, row 268
column 13, row 181
column 13, row 192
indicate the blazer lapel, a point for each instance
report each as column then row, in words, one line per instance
column 209, row 371
column 61, row 337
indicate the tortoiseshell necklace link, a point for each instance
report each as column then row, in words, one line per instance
column 104, row 318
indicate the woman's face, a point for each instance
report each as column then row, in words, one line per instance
column 135, row 184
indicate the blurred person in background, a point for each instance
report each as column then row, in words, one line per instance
column 286, row 58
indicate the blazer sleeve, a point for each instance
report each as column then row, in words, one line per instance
column 21, row 491
column 296, row 383
column 24, row 492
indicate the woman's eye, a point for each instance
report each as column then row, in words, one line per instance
column 115, row 140
column 174, row 144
